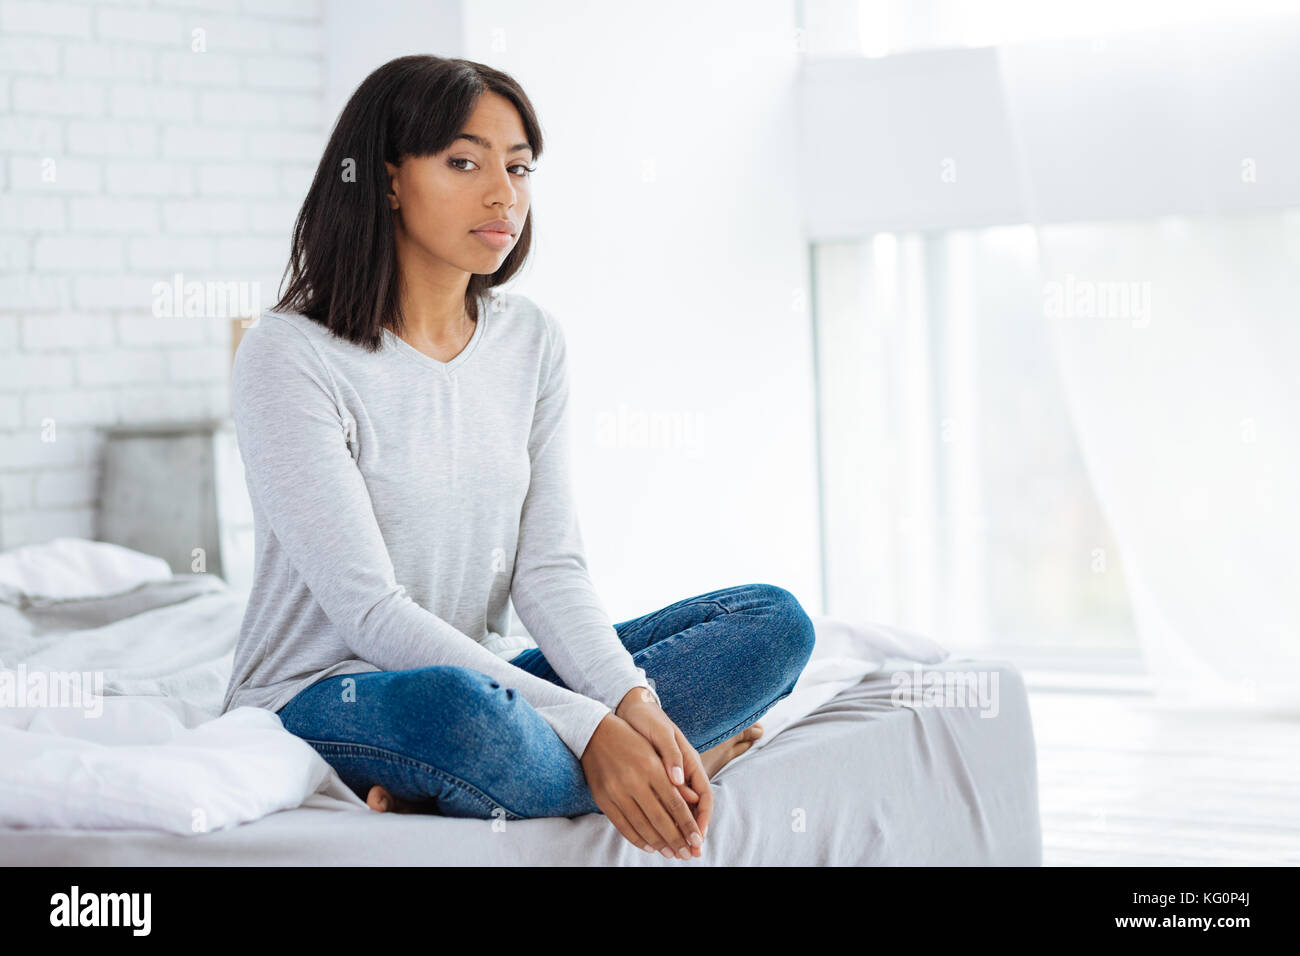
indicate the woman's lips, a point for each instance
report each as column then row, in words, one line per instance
column 497, row 240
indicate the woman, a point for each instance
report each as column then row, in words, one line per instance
column 404, row 433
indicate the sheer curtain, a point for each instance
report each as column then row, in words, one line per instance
column 1159, row 172
column 1179, row 350
column 957, row 500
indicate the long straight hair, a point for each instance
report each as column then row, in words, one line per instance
column 343, row 270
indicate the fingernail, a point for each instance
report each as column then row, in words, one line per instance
column 678, row 776
column 684, row 853
column 667, row 852
column 383, row 802
column 648, row 848
column 696, row 840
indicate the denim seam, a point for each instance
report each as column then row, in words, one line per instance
column 350, row 749
column 663, row 642
column 661, row 612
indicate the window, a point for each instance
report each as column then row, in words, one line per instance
column 956, row 501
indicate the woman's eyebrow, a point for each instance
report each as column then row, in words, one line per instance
column 479, row 140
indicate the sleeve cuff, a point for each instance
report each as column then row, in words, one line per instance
column 583, row 734
column 643, row 681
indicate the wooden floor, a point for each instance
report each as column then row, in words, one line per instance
column 1125, row 782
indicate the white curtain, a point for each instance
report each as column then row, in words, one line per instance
column 1159, row 172
column 1187, row 409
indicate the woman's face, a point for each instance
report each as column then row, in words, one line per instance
column 440, row 200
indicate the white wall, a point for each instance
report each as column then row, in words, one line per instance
column 359, row 37
column 676, row 118
column 675, row 123
column 1185, row 121
column 164, row 160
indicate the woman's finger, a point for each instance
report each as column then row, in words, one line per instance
column 652, row 806
column 665, row 741
column 620, row 823
column 642, row 827
column 675, row 803
column 699, row 782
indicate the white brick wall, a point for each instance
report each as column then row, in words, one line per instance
column 129, row 157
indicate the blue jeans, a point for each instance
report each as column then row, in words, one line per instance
column 455, row 742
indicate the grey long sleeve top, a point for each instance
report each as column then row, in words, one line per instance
column 400, row 502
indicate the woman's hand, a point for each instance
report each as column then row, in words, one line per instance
column 646, row 717
column 627, row 780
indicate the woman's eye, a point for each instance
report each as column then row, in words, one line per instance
column 527, row 170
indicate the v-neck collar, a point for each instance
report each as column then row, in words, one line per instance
column 410, row 351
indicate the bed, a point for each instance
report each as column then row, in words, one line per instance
column 871, row 762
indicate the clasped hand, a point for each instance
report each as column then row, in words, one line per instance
column 648, row 780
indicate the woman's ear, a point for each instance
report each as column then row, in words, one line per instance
column 392, row 184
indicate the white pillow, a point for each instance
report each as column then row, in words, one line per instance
column 68, row 569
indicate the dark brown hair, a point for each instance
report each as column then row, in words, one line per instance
column 343, row 257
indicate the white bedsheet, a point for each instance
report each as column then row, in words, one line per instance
column 158, row 756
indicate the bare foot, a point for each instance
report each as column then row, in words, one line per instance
column 715, row 758
column 381, row 800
